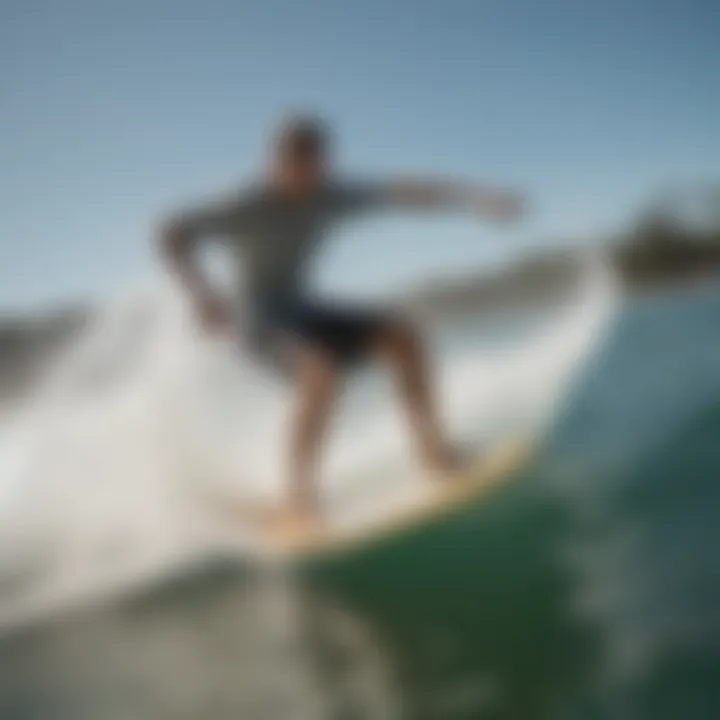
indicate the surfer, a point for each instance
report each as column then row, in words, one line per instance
column 272, row 229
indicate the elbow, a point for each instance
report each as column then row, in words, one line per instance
column 171, row 240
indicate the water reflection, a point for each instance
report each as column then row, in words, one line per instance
column 470, row 619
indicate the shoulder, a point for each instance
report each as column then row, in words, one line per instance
column 247, row 198
column 224, row 208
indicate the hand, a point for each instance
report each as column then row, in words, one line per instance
column 214, row 314
column 501, row 207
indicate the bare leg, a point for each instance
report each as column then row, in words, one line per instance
column 401, row 346
column 315, row 382
column 315, row 387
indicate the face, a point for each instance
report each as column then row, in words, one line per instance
column 300, row 169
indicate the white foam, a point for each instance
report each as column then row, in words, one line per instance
column 142, row 421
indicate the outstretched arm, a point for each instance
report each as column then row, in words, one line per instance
column 487, row 202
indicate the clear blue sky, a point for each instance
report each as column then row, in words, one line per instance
column 115, row 110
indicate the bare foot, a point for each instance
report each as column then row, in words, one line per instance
column 299, row 526
column 444, row 464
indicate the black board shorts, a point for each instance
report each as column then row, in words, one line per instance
column 345, row 333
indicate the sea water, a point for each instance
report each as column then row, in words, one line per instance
column 588, row 588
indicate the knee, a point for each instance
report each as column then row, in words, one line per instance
column 403, row 340
column 316, row 373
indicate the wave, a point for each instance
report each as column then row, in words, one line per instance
column 111, row 476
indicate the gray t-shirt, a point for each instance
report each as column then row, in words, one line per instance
column 273, row 238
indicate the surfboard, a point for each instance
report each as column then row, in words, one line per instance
column 488, row 469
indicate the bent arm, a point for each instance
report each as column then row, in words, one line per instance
column 177, row 242
column 180, row 236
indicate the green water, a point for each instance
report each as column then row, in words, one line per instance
column 588, row 589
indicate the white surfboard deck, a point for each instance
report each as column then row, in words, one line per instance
column 490, row 468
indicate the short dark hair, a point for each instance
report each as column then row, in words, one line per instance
column 302, row 134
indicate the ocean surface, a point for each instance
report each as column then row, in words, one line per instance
column 588, row 588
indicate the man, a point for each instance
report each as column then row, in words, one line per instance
column 272, row 230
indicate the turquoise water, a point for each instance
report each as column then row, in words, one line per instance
column 588, row 589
